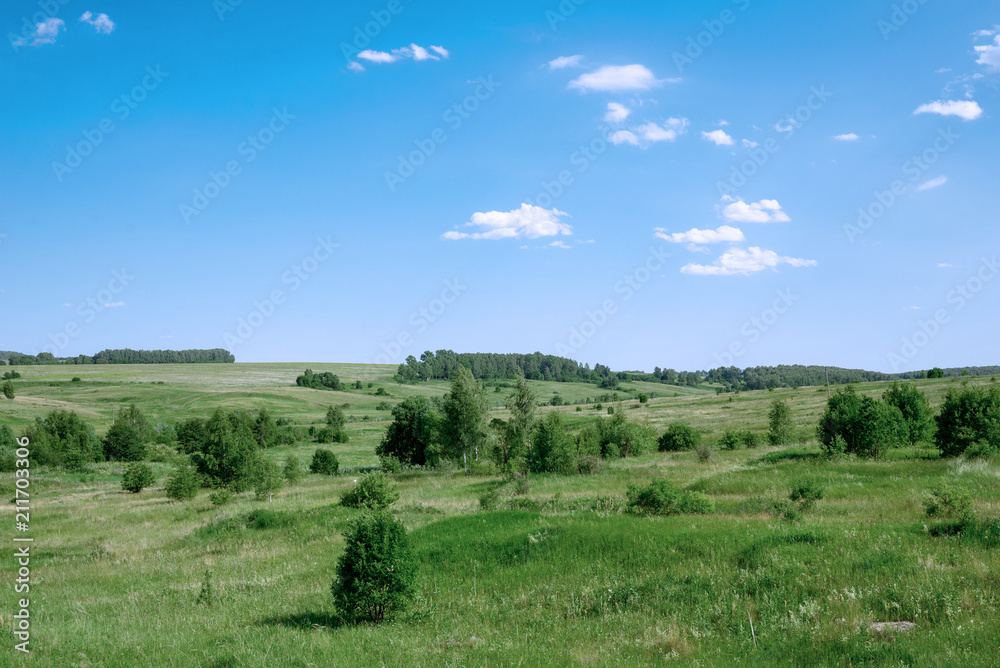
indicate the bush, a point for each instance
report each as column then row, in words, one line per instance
column 951, row 504
column 182, row 485
column 374, row 491
column 221, row 497
column 662, row 498
column 588, row 464
column 730, row 440
column 137, row 477
column 376, row 574
column 750, row 439
column 324, row 462
column 916, row 411
column 704, row 453
column 122, row 443
column 859, row 425
column 643, row 398
column 267, row 480
column 806, row 493
column 968, row 416
column 390, row 464
column 679, row 436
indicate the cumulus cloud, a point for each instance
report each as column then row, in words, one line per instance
column 101, row 22
column 617, row 78
column 529, row 222
column 45, row 33
column 850, row 136
column 560, row 244
column 933, row 183
column 750, row 144
column 562, row 62
column 739, row 262
column 724, row 234
column 764, row 211
column 968, row 110
column 617, row 113
column 413, row 51
column 989, row 55
column 718, row 137
column 624, row 137
column 674, row 127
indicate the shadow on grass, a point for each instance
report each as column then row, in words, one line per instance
column 791, row 454
column 306, row 621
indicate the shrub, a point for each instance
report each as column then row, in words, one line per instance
column 221, row 497
column 122, row 443
column 336, row 421
column 76, row 379
column 291, row 470
column 662, row 498
column 267, row 480
column 951, row 504
column 8, row 390
column 376, row 574
column 750, row 439
column 704, row 453
column 643, row 398
column 182, row 485
column 390, row 464
column 229, row 455
column 679, row 436
column 968, row 416
column 619, row 437
column 916, row 411
column 324, row 462
column 588, row 464
column 730, row 440
column 138, row 476
column 806, row 493
column 374, row 491
column 981, row 449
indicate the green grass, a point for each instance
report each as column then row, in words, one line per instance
column 117, row 577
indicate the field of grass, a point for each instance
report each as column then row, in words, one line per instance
column 571, row 581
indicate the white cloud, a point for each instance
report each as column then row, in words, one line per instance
column 750, row 144
column 848, row 137
column 615, row 77
column 719, row 137
column 764, row 211
column 744, row 262
column 942, row 70
column 724, row 234
column 529, row 222
column 945, row 265
column 652, row 132
column 355, row 66
column 560, row 244
column 101, row 22
column 624, row 137
column 966, row 109
column 911, row 308
column 114, row 305
column 617, row 113
column 45, row 33
column 414, row 51
column 989, row 55
column 933, row 183
column 723, row 123
column 562, row 62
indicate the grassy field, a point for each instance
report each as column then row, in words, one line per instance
column 571, row 581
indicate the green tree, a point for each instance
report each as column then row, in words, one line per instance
column 134, row 418
column 324, row 462
column 936, row 372
column 292, row 470
column 8, row 390
column 137, row 477
column 860, row 425
column 411, row 432
column 463, row 429
column 779, row 420
column 376, row 574
column 268, row 479
column 554, row 450
column 265, row 430
column 336, row 422
column 523, row 406
column 968, row 417
column 374, row 491
column 230, row 454
column 182, row 485
column 915, row 408
column 122, row 443
column 679, row 436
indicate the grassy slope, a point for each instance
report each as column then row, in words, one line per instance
column 118, row 575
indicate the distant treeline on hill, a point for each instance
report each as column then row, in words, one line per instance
column 127, row 356
column 444, row 364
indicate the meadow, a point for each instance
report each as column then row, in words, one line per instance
column 570, row 578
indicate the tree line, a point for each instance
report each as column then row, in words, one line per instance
column 128, row 356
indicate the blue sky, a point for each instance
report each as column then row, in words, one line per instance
column 633, row 184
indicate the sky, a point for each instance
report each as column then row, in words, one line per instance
column 685, row 185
